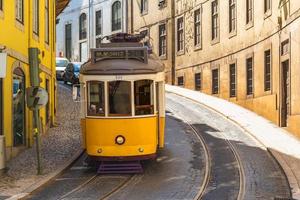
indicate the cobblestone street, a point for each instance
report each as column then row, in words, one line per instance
column 59, row 145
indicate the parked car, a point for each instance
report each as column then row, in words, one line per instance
column 61, row 64
column 71, row 73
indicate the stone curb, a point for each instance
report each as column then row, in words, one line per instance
column 295, row 188
column 52, row 175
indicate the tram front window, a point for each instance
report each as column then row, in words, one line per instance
column 96, row 99
column 143, row 93
column 119, row 98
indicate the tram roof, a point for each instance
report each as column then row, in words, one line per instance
column 112, row 66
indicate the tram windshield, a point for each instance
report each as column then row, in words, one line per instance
column 143, row 94
column 119, row 98
column 96, row 99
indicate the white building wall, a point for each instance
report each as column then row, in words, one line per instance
column 71, row 16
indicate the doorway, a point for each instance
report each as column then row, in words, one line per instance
column 18, row 108
column 285, row 87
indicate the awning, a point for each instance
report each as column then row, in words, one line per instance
column 61, row 5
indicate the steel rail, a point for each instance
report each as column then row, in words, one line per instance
column 208, row 156
column 118, row 188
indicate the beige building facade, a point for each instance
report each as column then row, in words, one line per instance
column 155, row 19
column 244, row 51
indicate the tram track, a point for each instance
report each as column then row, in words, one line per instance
column 90, row 183
column 208, row 158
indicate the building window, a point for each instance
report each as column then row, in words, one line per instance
column 68, row 40
column 20, row 11
column 180, row 34
column 98, row 22
column 82, row 26
column 162, row 40
column 249, row 76
column 232, row 76
column 285, row 47
column 249, row 11
column 180, row 81
column 116, row 16
column 268, row 70
column 198, row 85
column 197, row 27
column 267, row 5
column 144, row 6
column 215, row 81
column 36, row 16
column 232, row 16
column 47, row 21
column 214, row 20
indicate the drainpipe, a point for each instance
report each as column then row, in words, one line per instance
column 173, row 56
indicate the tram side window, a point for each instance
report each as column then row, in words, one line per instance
column 143, row 93
column 96, row 99
column 119, row 98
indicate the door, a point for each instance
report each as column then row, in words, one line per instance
column 18, row 108
column 285, row 85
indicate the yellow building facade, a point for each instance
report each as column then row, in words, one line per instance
column 244, row 51
column 25, row 24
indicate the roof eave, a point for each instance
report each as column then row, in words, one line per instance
column 61, row 5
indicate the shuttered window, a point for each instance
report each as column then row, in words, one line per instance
column 249, row 76
column 232, row 80
column 268, row 70
column 198, row 85
column 215, row 81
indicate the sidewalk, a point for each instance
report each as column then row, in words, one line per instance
column 59, row 146
column 281, row 144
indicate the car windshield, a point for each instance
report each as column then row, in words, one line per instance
column 77, row 67
column 61, row 63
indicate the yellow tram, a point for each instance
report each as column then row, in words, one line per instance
column 122, row 102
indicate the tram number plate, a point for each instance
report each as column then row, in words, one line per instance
column 119, row 78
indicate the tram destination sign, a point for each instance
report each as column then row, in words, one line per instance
column 139, row 53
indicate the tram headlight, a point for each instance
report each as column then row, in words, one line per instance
column 120, row 140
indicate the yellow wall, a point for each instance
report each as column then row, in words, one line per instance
column 17, row 38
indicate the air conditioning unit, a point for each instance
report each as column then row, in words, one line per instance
column 161, row 3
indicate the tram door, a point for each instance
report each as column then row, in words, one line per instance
column 285, row 84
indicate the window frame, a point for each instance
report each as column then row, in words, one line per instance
column 215, row 21
column 152, row 97
column 268, row 71
column 249, row 88
column 180, row 32
column 249, row 13
column 68, row 39
column 232, row 17
column 47, row 22
column 213, row 91
column 179, row 78
column 19, row 7
column 100, row 20
column 36, row 17
column 116, row 25
column 83, row 26
column 198, row 28
column 162, row 50
column 144, row 7
column 232, row 80
column 88, row 98
column 198, row 87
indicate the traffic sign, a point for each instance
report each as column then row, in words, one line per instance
column 36, row 97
